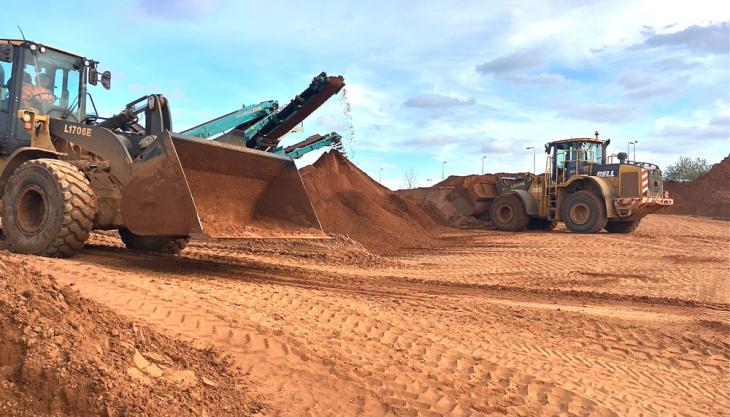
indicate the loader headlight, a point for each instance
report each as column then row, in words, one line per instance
column 86, row 63
column 26, row 117
column 33, row 47
column 43, row 49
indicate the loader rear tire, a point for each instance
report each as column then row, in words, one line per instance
column 622, row 227
column 48, row 209
column 159, row 244
column 541, row 224
column 584, row 212
column 508, row 213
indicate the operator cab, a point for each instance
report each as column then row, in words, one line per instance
column 42, row 79
column 578, row 156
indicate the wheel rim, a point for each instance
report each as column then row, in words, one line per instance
column 31, row 210
column 505, row 214
column 580, row 213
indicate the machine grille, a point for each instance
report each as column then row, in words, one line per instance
column 629, row 184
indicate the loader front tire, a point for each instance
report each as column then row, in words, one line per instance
column 622, row 227
column 159, row 244
column 48, row 209
column 584, row 212
column 508, row 213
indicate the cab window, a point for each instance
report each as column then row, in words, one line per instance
column 50, row 83
column 589, row 152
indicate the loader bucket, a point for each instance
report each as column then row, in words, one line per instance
column 191, row 187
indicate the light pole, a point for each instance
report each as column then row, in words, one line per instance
column 380, row 177
column 443, row 170
column 634, row 143
column 534, row 165
column 483, row 158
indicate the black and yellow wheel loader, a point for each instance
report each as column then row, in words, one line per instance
column 582, row 187
column 64, row 171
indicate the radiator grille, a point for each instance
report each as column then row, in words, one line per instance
column 629, row 184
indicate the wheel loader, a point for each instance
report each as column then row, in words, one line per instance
column 65, row 171
column 582, row 187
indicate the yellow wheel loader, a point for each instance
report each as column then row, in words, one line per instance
column 64, row 172
column 582, row 187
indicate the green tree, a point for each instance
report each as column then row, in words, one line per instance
column 687, row 169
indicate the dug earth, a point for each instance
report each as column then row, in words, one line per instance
column 395, row 314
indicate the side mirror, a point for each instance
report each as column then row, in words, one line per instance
column 93, row 74
column 6, row 53
column 106, row 80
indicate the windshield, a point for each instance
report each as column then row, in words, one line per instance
column 51, row 84
column 578, row 151
column 590, row 152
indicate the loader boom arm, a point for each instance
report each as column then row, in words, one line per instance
column 240, row 120
column 310, row 144
column 261, row 126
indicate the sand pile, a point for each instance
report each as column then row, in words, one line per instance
column 349, row 202
column 707, row 196
column 453, row 201
column 63, row 355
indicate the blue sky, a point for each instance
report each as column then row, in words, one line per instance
column 427, row 81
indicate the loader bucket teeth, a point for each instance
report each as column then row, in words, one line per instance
column 187, row 187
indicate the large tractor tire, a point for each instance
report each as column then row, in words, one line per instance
column 48, row 209
column 622, row 227
column 508, row 213
column 541, row 224
column 159, row 244
column 584, row 212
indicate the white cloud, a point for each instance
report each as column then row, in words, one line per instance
column 599, row 112
column 436, row 101
column 713, row 39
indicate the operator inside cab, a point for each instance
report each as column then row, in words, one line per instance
column 34, row 97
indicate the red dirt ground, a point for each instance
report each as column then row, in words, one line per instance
column 64, row 355
column 450, row 323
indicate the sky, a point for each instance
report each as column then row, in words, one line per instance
column 436, row 87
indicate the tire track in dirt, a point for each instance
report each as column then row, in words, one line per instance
column 287, row 372
column 433, row 334
column 515, row 358
column 427, row 393
column 336, row 328
column 343, row 278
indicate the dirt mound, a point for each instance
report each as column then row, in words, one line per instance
column 441, row 206
column 63, row 355
column 349, row 202
column 453, row 201
column 708, row 195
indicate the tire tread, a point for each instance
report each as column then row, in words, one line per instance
column 79, row 206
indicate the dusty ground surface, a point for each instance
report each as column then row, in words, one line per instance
column 491, row 323
column 62, row 355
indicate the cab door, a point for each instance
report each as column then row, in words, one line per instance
column 12, row 133
column 6, row 70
